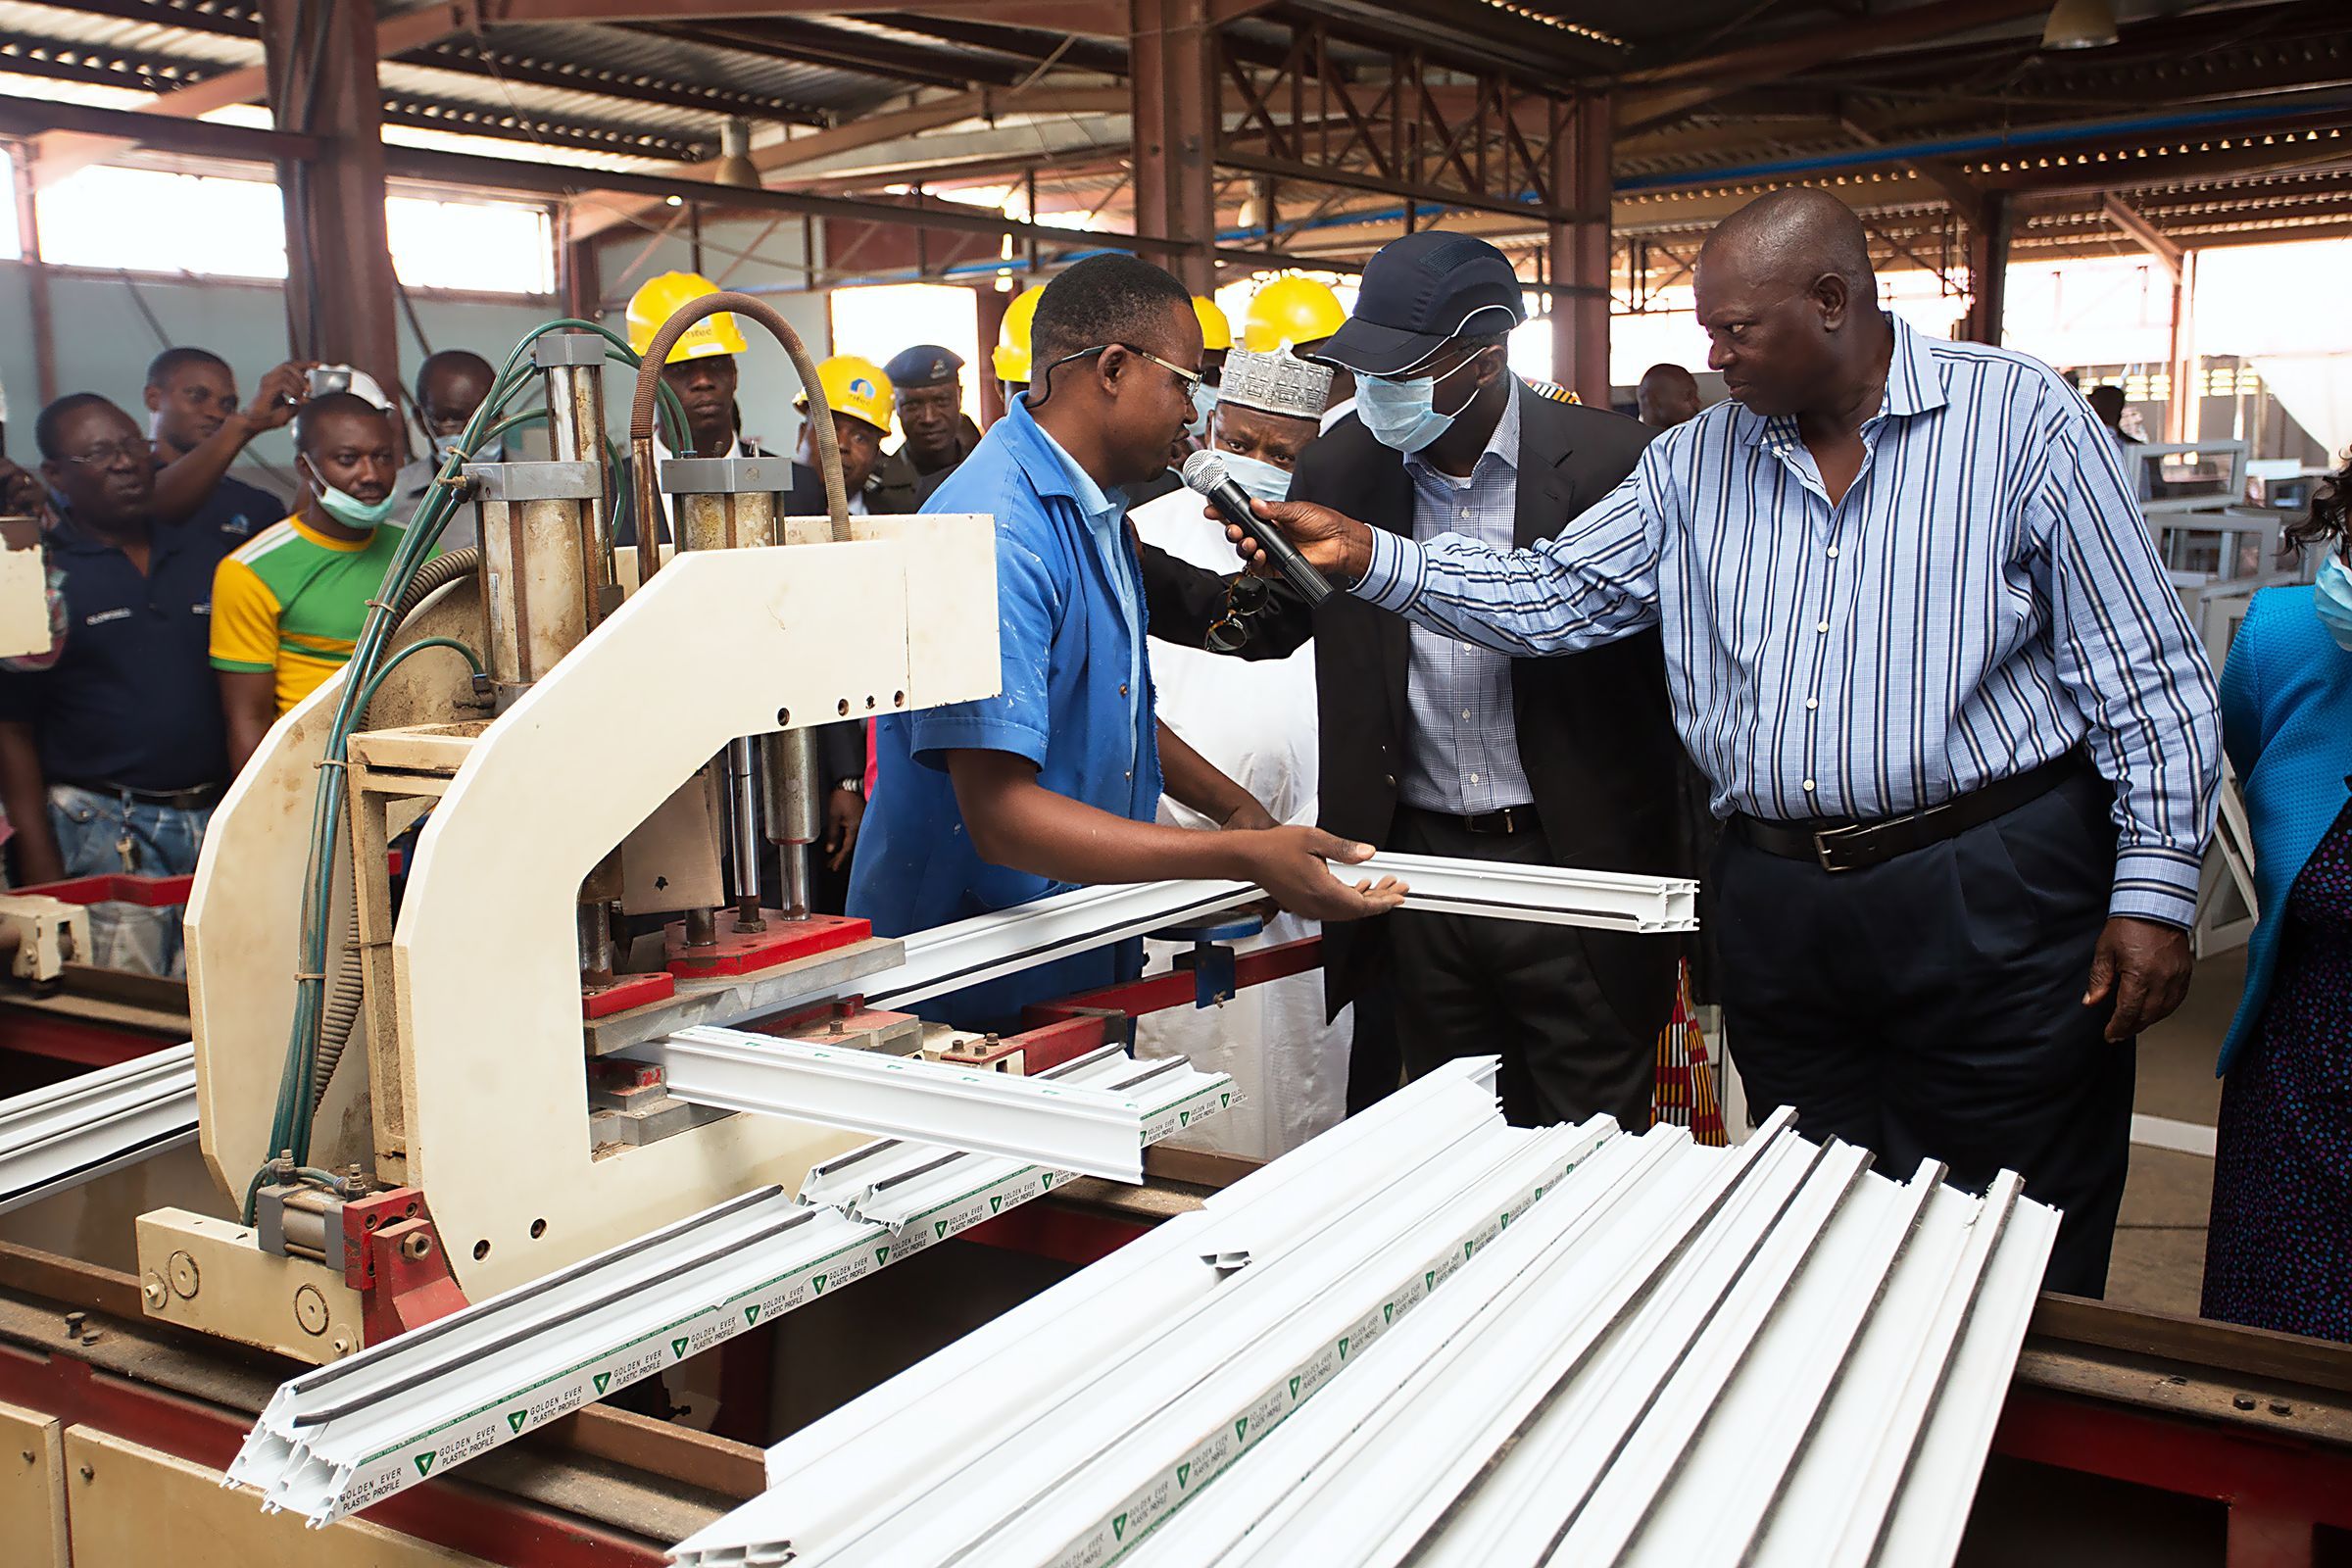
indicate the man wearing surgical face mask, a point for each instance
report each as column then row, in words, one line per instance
column 289, row 607
column 1438, row 747
column 450, row 385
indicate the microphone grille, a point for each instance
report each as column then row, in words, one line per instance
column 1204, row 471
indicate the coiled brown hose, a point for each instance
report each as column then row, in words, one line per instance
column 445, row 567
column 641, row 416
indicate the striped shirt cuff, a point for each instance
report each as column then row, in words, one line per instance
column 2158, row 885
column 1394, row 579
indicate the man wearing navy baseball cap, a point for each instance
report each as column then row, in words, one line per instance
column 938, row 433
column 1441, row 748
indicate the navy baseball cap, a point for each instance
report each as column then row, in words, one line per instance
column 924, row 365
column 1419, row 293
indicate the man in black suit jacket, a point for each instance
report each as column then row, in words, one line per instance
column 1438, row 748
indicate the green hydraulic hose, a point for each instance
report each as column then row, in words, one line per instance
column 473, row 662
column 291, row 1123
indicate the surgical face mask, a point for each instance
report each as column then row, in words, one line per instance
column 2333, row 598
column 1403, row 415
column 1205, row 401
column 349, row 510
column 1260, row 478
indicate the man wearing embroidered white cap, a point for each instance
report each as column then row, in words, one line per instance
column 1254, row 718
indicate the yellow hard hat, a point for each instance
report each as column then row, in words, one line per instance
column 1288, row 311
column 1012, row 357
column 1216, row 332
column 855, row 386
column 658, row 299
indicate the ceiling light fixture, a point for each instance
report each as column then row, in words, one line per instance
column 735, row 165
column 2079, row 25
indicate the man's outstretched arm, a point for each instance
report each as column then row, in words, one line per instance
column 1593, row 582
column 1014, row 820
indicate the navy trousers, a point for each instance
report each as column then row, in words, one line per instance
column 1932, row 1007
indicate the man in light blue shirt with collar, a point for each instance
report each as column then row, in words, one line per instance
column 1056, row 781
column 1917, row 640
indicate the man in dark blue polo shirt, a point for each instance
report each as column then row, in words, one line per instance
column 111, row 759
column 1056, row 781
column 199, row 430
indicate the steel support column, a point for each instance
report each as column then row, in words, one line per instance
column 988, row 321
column 37, row 284
column 1172, row 86
column 1988, row 232
column 582, row 280
column 1578, row 237
column 341, row 296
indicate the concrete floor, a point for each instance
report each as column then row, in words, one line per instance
column 2159, row 1259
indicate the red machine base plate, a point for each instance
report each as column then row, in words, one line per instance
column 626, row 992
column 741, row 951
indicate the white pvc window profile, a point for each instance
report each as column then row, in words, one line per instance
column 1060, row 1124
column 63, row 1134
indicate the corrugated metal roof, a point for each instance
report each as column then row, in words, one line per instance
column 518, row 73
column 700, row 65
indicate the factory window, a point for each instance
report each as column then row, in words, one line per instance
column 879, row 322
column 12, row 245
column 486, row 247
column 204, row 226
column 145, row 220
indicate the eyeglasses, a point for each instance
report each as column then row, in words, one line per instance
column 1246, row 598
column 1186, row 377
column 106, row 454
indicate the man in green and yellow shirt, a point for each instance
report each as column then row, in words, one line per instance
column 289, row 607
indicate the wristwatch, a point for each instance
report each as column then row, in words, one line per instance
column 853, row 783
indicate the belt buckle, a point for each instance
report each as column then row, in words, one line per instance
column 1826, row 843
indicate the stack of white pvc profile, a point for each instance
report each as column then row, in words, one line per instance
column 339, row 1439
column 65, row 1134
column 1429, row 1338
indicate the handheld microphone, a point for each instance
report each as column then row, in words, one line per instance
column 1204, row 474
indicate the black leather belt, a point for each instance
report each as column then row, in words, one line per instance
column 1851, row 846
column 193, row 798
column 1508, row 820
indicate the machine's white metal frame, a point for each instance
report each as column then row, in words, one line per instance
column 1063, row 1123
column 485, row 964
column 65, row 1134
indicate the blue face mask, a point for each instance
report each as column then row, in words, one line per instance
column 1403, row 415
column 1205, row 400
column 2333, row 598
column 349, row 510
column 1265, row 481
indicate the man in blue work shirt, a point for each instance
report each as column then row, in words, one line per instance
column 110, row 760
column 985, row 805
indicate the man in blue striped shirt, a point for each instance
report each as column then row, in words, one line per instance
column 1919, row 642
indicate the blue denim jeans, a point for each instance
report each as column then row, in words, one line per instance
column 99, row 833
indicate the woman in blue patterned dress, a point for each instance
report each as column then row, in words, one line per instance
column 2278, row 1249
